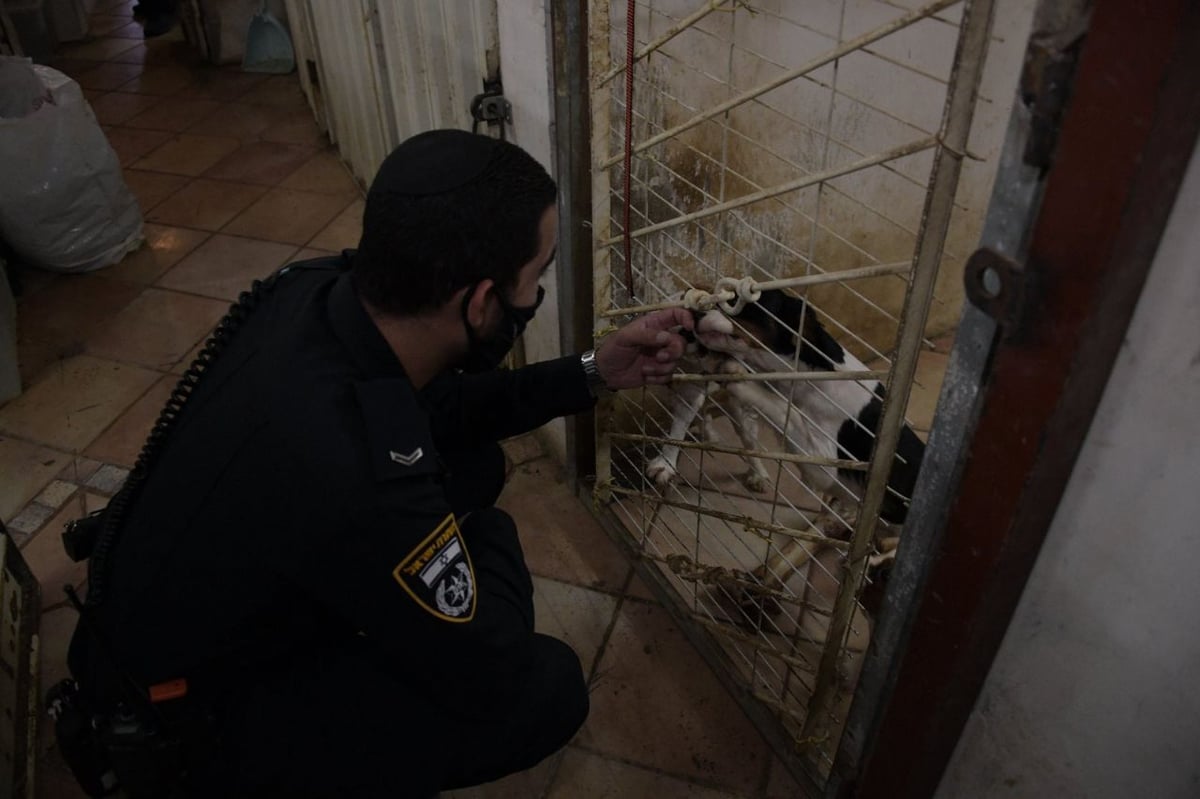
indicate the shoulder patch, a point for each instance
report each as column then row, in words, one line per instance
column 438, row 574
column 397, row 430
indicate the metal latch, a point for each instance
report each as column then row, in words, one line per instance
column 491, row 107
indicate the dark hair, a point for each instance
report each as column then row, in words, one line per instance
column 445, row 214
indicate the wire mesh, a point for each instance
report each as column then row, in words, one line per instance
column 818, row 144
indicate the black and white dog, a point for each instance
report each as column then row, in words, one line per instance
column 829, row 419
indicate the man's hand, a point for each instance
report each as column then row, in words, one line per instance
column 644, row 351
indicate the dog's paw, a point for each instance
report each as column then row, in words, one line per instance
column 661, row 472
column 755, row 482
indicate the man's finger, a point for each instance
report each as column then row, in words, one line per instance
column 668, row 318
column 641, row 336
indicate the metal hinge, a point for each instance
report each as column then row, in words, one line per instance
column 491, row 107
column 995, row 284
column 1046, row 76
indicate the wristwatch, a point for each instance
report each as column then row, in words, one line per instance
column 595, row 383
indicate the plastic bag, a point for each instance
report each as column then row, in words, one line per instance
column 64, row 205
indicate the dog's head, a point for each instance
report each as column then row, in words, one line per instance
column 765, row 333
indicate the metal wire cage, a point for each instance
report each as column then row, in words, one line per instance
column 826, row 149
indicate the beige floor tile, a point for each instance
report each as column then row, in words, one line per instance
column 560, row 538
column 288, row 216
column 71, row 404
column 295, row 126
column 99, row 49
column 782, row 785
column 123, row 440
column 35, row 356
column 161, row 79
column 205, row 204
column 138, row 54
column 638, row 589
column 173, row 114
column 575, row 615
column 655, row 703
column 282, row 91
column 108, row 76
column 264, row 163
column 27, row 469
column 157, row 329
column 79, row 469
column 130, row 30
column 344, row 231
column 55, row 494
column 237, row 120
column 188, row 154
column 46, row 558
column 311, row 252
column 28, row 521
column 114, row 108
column 522, row 785
column 182, row 365
column 224, row 85
column 151, row 188
column 69, row 310
column 324, row 173
column 164, row 247
column 131, row 144
column 224, row 266
column 584, row 775
column 522, row 449
column 173, row 50
column 73, row 68
column 103, row 24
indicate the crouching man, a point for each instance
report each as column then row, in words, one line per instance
column 304, row 588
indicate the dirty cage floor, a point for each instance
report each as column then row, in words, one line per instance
column 235, row 179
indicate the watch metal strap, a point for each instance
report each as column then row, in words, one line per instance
column 595, row 383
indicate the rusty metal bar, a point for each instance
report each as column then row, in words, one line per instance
column 752, row 526
column 760, row 377
column 956, row 126
column 835, row 463
column 819, row 278
column 900, row 151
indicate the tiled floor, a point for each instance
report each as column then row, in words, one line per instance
column 235, row 180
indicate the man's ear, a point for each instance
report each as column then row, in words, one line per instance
column 477, row 303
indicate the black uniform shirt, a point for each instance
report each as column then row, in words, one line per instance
column 299, row 499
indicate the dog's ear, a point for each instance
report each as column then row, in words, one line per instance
column 818, row 349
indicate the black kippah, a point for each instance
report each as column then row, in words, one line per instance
column 434, row 162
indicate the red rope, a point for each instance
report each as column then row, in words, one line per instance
column 628, row 242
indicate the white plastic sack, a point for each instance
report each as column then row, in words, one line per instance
column 64, row 205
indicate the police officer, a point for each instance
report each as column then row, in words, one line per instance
column 306, row 577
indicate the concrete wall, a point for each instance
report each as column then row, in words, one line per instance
column 525, row 68
column 1094, row 693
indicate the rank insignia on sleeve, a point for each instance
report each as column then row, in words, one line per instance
column 438, row 574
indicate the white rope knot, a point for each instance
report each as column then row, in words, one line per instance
column 744, row 291
column 698, row 300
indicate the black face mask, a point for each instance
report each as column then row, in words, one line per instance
column 489, row 353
